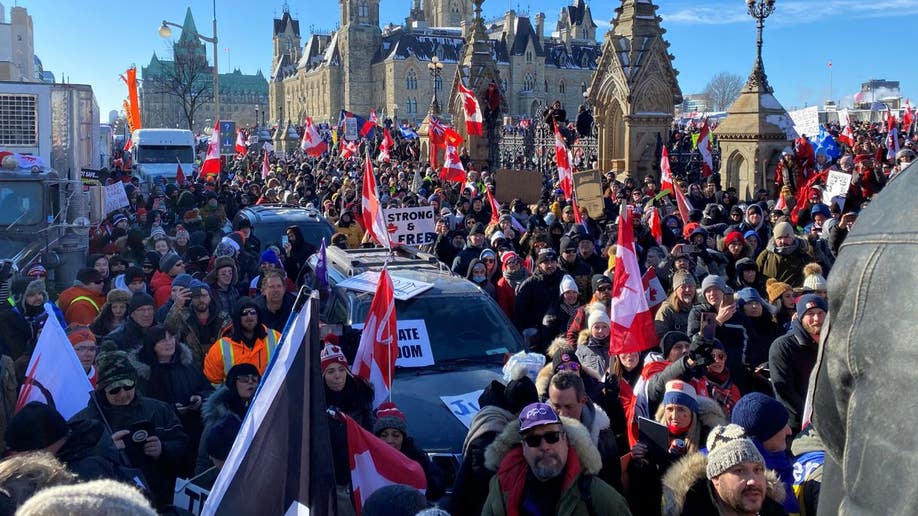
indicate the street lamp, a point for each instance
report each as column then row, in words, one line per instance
column 759, row 9
column 435, row 67
column 166, row 32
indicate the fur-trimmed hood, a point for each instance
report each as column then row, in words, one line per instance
column 143, row 369
column 548, row 370
column 577, row 435
column 710, row 413
column 216, row 406
column 595, row 419
column 690, row 471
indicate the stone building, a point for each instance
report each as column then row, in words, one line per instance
column 241, row 95
column 363, row 66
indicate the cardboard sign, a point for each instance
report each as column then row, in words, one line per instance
column 463, row 406
column 115, row 197
column 413, row 343
column 525, row 185
column 411, row 226
column 227, row 137
column 189, row 496
column 588, row 188
column 404, row 289
column 837, row 184
column 806, row 121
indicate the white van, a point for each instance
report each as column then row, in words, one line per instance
column 157, row 152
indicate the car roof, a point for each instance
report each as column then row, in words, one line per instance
column 405, row 262
column 280, row 214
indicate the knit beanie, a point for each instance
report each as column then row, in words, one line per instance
column 809, row 301
column 680, row 393
column 670, row 339
column 733, row 236
column 167, row 262
column 269, row 257
column 389, row 416
column 506, row 257
column 132, row 274
column 140, row 299
column 35, row 427
column 394, row 500
column 760, row 415
column 331, row 354
column 97, row 497
column 599, row 280
column 180, row 232
column 598, row 315
column 683, row 278
column 813, row 280
column 36, row 287
column 783, row 229
column 78, row 334
column 728, row 446
column 183, row 280
column 157, row 233
column 776, row 289
column 219, row 438
column 114, row 367
column 715, row 281
column 568, row 284
column 519, row 393
column 88, row 275
column 564, row 355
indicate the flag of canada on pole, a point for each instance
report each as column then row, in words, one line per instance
column 632, row 320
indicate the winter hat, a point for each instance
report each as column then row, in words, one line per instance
column 749, row 234
column 598, row 315
column 114, row 369
column 487, row 253
column 680, row 393
column 563, row 356
column 88, row 275
column 519, row 393
column 497, row 235
column 813, row 280
column 728, row 446
column 820, row 209
column 116, row 295
column 167, row 262
column 670, row 339
column 219, row 438
column 389, row 416
column 332, row 354
column 157, row 233
column 238, row 370
column 783, row 229
column 599, row 280
column 140, row 299
column 775, row 289
column 546, row 254
column 269, row 256
column 749, row 294
column 227, row 247
column 97, row 497
column 36, row 287
column 509, row 255
column 568, row 284
column 754, row 208
column 477, row 229
column 77, row 334
column 760, row 415
column 183, row 280
column 37, row 270
column 713, row 281
column 394, row 500
column 683, row 278
column 133, row 274
column 36, row 426
column 733, row 236
column 808, row 302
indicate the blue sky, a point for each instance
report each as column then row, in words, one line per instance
column 93, row 41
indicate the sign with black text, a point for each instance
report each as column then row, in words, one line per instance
column 588, row 187
column 411, row 226
column 413, row 343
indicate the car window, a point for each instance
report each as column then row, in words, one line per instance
column 459, row 326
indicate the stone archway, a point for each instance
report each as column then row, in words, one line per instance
column 736, row 163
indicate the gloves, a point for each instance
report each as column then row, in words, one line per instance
column 701, row 351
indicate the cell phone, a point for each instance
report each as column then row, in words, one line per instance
column 708, row 325
column 139, row 433
column 728, row 299
column 284, row 240
column 689, row 249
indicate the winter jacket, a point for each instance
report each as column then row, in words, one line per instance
column 668, row 319
column 473, row 477
column 87, row 454
column 215, row 408
column 80, row 304
column 732, row 334
column 688, row 492
column 556, row 320
column 785, row 265
column 598, row 424
column 508, row 487
column 226, row 298
column 216, row 364
column 592, row 352
column 127, row 337
column 809, row 456
column 275, row 320
column 790, row 361
column 464, row 257
column 533, row 298
column 161, row 288
column 184, row 324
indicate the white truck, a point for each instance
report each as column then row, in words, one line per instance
column 156, row 154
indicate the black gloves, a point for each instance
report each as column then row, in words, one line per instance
column 701, row 351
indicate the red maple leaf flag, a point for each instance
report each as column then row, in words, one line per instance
column 374, row 219
column 375, row 464
column 846, row 135
column 666, row 172
column 240, row 143
column 685, row 206
column 452, row 170
column 562, row 158
column 312, row 143
column 656, row 225
column 211, row 166
column 128, row 144
column 632, row 320
column 653, row 289
column 179, row 173
column 495, row 208
column 472, row 111
column 436, row 131
column 908, row 116
column 385, row 147
column 378, row 348
column 349, row 150
column 704, row 148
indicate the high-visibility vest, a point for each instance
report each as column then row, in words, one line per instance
column 84, row 298
column 229, row 359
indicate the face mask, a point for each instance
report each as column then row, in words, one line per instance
column 675, row 430
column 478, row 278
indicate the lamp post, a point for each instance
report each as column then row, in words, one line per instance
column 435, row 67
column 395, row 113
column 759, row 9
column 256, row 116
column 166, row 32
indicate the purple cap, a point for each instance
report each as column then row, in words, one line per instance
column 537, row 414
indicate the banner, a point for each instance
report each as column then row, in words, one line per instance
column 404, row 288
column 414, row 348
column 588, row 187
column 411, row 226
column 189, row 497
column 115, row 197
column 90, row 177
column 837, row 184
column 463, row 406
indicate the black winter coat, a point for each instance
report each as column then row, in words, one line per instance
column 534, row 297
column 790, row 362
column 128, row 337
column 732, row 334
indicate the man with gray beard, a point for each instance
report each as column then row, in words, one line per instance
column 546, row 465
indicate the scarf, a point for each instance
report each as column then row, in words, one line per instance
column 568, row 309
column 515, row 279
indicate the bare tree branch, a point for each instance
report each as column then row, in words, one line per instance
column 722, row 90
column 188, row 81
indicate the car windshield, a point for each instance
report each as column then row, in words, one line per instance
column 460, row 327
column 20, row 202
column 165, row 154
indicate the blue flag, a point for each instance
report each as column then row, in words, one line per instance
column 407, row 132
column 322, row 269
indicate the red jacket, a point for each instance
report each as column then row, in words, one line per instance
column 161, row 288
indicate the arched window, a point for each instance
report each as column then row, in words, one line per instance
column 561, row 87
column 362, row 9
column 528, row 83
column 455, row 14
column 411, row 80
column 545, row 86
column 528, row 56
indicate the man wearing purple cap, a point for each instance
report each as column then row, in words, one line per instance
column 547, row 465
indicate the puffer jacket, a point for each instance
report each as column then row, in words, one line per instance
column 785, row 264
column 507, row 489
column 184, row 324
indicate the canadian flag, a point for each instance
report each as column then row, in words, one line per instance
column 562, row 158
column 908, row 116
column 265, row 166
column 472, row 111
column 385, row 147
column 653, row 289
column 452, row 170
column 378, row 348
column 685, row 206
column 632, row 320
column 656, row 225
column 436, row 132
column 179, row 173
column 375, row 464
column 312, row 144
column 349, row 149
column 704, row 148
column 782, row 202
column 372, row 212
column 211, row 166
column 240, row 143
column 495, row 208
column 892, row 137
column 128, row 144
column 846, row 135
column 666, row 172
column 54, row 375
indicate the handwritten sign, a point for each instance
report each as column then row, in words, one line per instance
column 115, row 197
column 404, row 288
column 806, row 121
column 463, row 406
column 837, row 184
column 411, row 226
column 189, row 496
column 413, row 343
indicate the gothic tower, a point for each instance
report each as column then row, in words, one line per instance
column 448, row 13
column 286, row 38
column 358, row 40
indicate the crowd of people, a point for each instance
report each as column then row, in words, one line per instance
column 178, row 312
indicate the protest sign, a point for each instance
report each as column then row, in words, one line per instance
column 806, row 121
column 837, row 184
column 189, row 497
column 413, row 343
column 90, row 177
column 115, row 197
column 525, row 185
column 411, row 226
column 463, row 406
column 404, row 289
column 588, row 187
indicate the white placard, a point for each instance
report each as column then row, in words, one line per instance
column 837, row 184
column 463, row 406
column 189, row 496
column 411, row 226
column 115, row 197
column 413, row 343
column 806, row 121
column 404, row 289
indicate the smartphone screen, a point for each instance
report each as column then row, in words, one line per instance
column 708, row 325
column 284, row 240
column 728, row 299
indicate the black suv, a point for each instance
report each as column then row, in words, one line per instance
column 470, row 338
column 270, row 220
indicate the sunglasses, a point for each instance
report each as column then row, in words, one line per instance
column 719, row 356
column 569, row 366
column 248, row 378
column 250, row 311
column 533, row 441
column 489, row 260
column 604, row 289
column 117, row 390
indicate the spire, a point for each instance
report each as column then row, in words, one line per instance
column 188, row 28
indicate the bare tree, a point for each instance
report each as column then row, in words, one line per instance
column 722, row 90
column 188, row 80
